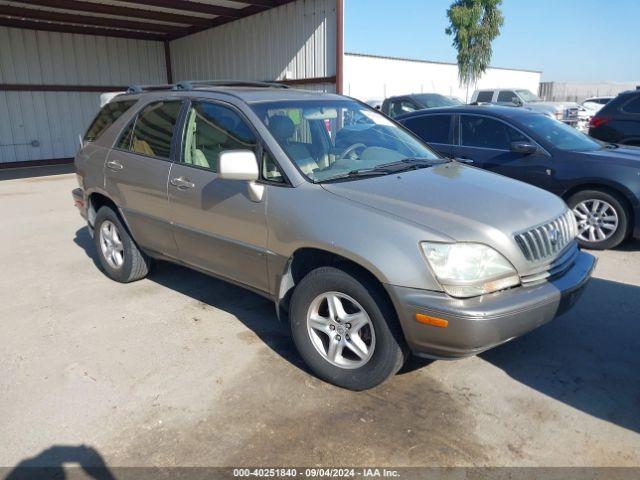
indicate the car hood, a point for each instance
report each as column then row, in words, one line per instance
column 623, row 155
column 461, row 202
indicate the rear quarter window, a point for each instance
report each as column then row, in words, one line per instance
column 632, row 106
column 106, row 117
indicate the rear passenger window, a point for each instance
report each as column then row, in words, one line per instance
column 212, row 129
column 484, row 97
column 153, row 130
column 633, row 106
column 431, row 128
column 105, row 118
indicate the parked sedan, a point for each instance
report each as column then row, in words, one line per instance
column 619, row 120
column 599, row 181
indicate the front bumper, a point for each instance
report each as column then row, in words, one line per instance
column 480, row 323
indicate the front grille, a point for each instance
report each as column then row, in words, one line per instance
column 554, row 269
column 546, row 240
column 571, row 113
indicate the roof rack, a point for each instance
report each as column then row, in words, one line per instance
column 150, row 88
column 191, row 84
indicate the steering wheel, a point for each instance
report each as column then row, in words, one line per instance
column 351, row 149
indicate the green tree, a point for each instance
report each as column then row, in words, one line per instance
column 474, row 24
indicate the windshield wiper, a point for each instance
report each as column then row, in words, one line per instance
column 612, row 146
column 367, row 172
column 409, row 163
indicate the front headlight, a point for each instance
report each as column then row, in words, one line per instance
column 469, row 269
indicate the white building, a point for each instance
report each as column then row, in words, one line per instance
column 375, row 77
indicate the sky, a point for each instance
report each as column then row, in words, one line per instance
column 568, row 40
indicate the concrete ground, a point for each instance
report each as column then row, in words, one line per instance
column 181, row 370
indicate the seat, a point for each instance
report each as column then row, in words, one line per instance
column 283, row 129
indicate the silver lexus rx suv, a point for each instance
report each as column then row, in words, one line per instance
column 370, row 244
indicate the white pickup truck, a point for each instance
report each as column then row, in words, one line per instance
column 567, row 112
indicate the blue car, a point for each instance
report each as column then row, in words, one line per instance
column 599, row 181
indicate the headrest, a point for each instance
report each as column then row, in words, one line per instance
column 281, row 127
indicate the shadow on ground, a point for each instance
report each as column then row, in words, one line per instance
column 254, row 311
column 33, row 172
column 588, row 358
column 53, row 463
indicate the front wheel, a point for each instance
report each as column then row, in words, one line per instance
column 602, row 219
column 345, row 335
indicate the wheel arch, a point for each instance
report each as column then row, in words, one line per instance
column 98, row 199
column 306, row 259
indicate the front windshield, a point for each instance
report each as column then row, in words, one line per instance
column 328, row 139
column 559, row 134
column 527, row 96
column 433, row 100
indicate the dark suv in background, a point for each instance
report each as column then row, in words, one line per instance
column 619, row 120
column 600, row 182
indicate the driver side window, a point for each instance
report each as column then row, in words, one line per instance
column 211, row 129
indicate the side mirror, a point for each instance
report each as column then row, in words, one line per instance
column 525, row 148
column 238, row 165
column 242, row 165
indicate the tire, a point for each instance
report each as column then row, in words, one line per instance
column 128, row 263
column 385, row 350
column 597, row 212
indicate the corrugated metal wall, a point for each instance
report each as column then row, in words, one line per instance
column 45, row 125
column 297, row 40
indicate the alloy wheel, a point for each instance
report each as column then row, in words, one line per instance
column 597, row 220
column 111, row 244
column 341, row 330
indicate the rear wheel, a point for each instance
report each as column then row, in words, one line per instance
column 119, row 256
column 602, row 219
column 346, row 333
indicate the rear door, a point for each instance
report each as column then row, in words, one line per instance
column 486, row 143
column 217, row 226
column 137, row 171
column 435, row 129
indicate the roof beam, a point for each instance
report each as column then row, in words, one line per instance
column 119, row 11
column 70, row 28
column 31, row 13
column 186, row 5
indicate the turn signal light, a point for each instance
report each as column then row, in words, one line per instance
column 435, row 321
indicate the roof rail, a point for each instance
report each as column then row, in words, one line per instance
column 150, row 88
column 191, row 84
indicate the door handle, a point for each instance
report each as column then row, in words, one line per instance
column 466, row 160
column 113, row 165
column 182, row 183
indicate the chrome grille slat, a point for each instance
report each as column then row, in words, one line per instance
column 543, row 241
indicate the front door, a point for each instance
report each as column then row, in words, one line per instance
column 217, row 226
column 485, row 142
column 137, row 171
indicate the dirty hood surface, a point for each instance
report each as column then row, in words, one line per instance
column 461, row 202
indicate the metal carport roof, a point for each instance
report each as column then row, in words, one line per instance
column 139, row 19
